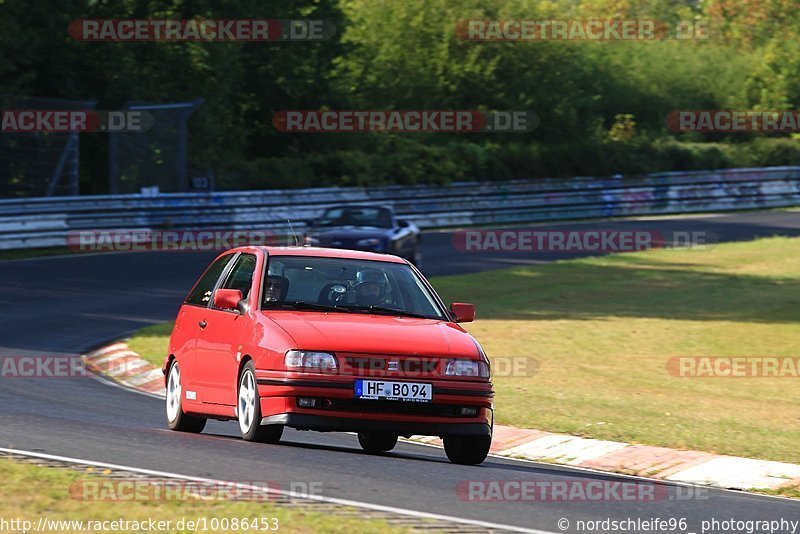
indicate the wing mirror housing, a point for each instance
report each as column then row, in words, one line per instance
column 462, row 312
column 227, row 299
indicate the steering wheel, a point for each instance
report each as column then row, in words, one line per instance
column 332, row 294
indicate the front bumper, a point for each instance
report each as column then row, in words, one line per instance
column 337, row 408
column 325, row 423
column 308, row 386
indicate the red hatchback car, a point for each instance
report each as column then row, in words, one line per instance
column 328, row 340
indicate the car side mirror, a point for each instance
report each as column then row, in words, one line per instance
column 463, row 312
column 227, row 299
column 402, row 223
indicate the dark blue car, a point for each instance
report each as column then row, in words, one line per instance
column 370, row 228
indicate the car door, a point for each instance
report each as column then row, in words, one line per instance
column 183, row 342
column 220, row 342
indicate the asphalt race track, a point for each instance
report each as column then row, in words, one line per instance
column 67, row 305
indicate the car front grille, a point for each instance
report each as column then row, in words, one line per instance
column 390, row 407
column 399, row 366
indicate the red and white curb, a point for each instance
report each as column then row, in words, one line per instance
column 118, row 362
column 693, row 467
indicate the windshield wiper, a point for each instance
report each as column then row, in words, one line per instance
column 305, row 305
column 393, row 311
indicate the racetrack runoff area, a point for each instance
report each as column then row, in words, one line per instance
column 609, row 335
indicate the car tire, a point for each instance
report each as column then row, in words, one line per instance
column 176, row 418
column 248, row 410
column 467, row 450
column 377, row 442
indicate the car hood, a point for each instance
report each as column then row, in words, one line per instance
column 374, row 334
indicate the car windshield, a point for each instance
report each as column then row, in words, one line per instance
column 347, row 286
column 356, row 216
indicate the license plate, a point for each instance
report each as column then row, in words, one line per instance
column 388, row 390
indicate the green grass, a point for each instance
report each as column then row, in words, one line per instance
column 602, row 330
column 791, row 491
column 151, row 342
column 29, row 492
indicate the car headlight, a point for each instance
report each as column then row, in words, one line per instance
column 466, row 368
column 302, row 359
column 370, row 242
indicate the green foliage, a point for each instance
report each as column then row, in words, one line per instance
column 601, row 105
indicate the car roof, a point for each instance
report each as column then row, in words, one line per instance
column 338, row 206
column 319, row 252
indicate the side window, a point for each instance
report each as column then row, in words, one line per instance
column 201, row 293
column 241, row 276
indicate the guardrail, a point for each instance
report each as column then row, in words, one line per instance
column 45, row 222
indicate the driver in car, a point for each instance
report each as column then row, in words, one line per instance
column 372, row 287
column 277, row 287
